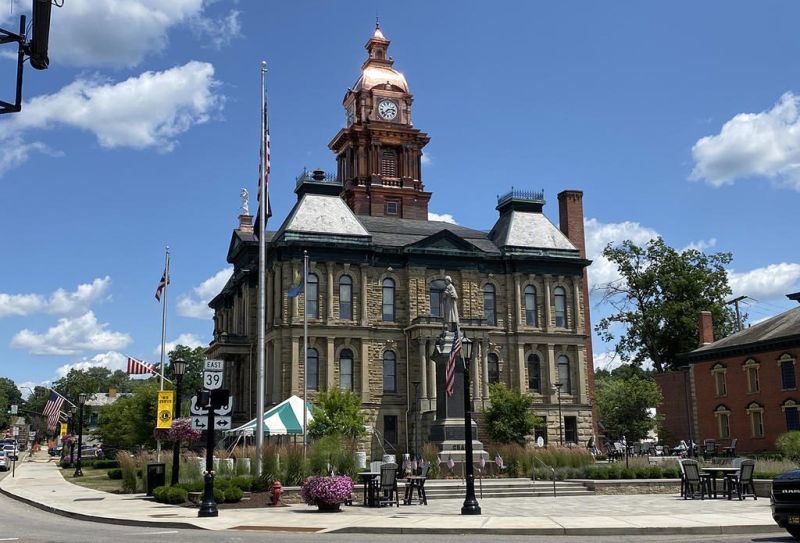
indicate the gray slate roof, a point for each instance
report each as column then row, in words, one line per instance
column 785, row 326
column 530, row 230
column 322, row 214
column 394, row 232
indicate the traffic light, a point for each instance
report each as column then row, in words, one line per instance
column 41, row 34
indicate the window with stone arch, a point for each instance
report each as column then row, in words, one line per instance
column 312, row 296
column 560, row 302
column 530, row 305
column 436, row 291
column 346, row 369
column 720, row 374
column 755, row 413
column 723, row 416
column 489, row 307
column 534, row 373
column 312, row 373
column 346, row 297
column 788, row 375
column 750, row 368
column 564, row 374
column 493, row 368
column 791, row 414
column 389, row 371
column 388, row 299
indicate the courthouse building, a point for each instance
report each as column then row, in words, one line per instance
column 376, row 279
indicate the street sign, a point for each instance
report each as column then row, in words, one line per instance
column 220, row 423
column 212, row 380
column 195, row 409
column 16, row 431
column 225, row 409
column 213, row 365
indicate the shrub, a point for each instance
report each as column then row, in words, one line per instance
column 170, row 494
column 671, row 472
column 243, row 482
column 510, row 418
column 430, row 453
column 129, row 473
column 654, row 472
column 270, row 466
column 261, row 484
column 333, row 453
column 106, row 464
column 628, row 473
column 789, row 444
column 115, row 473
column 326, row 490
column 159, row 493
column 296, row 469
column 219, row 494
column 233, row 495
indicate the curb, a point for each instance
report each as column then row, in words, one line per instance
column 656, row 530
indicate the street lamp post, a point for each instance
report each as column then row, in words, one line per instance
column 178, row 368
column 470, row 506
column 208, row 507
column 557, row 388
column 82, row 397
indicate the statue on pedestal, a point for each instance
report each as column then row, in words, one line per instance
column 245, row 201
column 450, row 305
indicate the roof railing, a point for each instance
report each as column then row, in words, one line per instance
column 317, row 176
column 526, row 195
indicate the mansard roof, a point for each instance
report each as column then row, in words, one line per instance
column 528, row 230
column 321, row 215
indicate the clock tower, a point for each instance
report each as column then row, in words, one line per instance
column 379, row 152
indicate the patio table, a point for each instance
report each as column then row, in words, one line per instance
column 716, row 472
column 369, row 478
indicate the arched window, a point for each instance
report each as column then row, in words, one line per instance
column 489, row 314
column 493, row 369
column 751, row 371
column 560, row 297
column 312, row 296
column 346, row 370
column 346, row 298
column 388, row 299
column 530, row 305
column 389, row 372
column 790, row 413
column 719, row 371
column 756, row 414
column 564, row 374
column 723, row 415
column 437, row 297
column 534, row 373
column 788, row 376
column 313, row 369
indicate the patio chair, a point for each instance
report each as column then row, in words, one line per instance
column 709, row 448
column 742, row 482
column 419, row 486
column 696, row 484
column 730, row 450
column 388, row 485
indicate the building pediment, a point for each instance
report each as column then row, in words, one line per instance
column 443, row 241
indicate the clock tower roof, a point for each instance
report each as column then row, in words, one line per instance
column 377, row 69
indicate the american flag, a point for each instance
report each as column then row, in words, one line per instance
column 264, row 156
column 162, row 285
column 450, row 371
column 52, row 409
column 137, row 367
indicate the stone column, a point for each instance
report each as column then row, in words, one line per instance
column 294, row 379
column 423, row 369
column 364, row 296
column 517, row 322
column 329, row 266
column 548, row 310
column 521, row 367
column 431, row 375
column 269, row 299
column 579, row 388
column 552, row 372
column 277, row 384
column 476, row 376
column 329, row 364
column 576, row 305
column 295, row 304
column 484, row 344
column 364, row 371
column 277, row 295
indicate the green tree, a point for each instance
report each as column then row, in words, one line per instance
column 658, row 299
column 194, row 358
column 130, row 421
column 510, row 418
column 339, row 412
column 623, row 402
column 9, row 395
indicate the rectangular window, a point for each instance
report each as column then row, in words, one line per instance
column 792, row 419
column 724, row 426
column 757, row 423
column 570, row 429
column 390, row 430
column 392, row 207
column 752, row 380
column 787, row 375
column 722, row 389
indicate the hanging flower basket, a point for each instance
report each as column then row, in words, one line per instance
column 327, row 493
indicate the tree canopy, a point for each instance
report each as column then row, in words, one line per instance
column 339, row 412
column 9, row 395
column 658, row 300
column 194, row 358
column 130, row 421
column 622, row 404
column 510, row 418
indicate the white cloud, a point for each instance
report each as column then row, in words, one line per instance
column 701, row 245
column 15, row 151
column 110, row 360
column 196, row 305
column 606, row 361
column 149, row 110
column 444, row 217
column 26, row 387
column 426, row 159
column 773, row 281
column 188, row 340
column 71, row 336
column 598, row 235
column 218, row 32
column 61, row 302
column 765, row 144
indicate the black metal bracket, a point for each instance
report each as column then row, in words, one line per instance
column 7, row 36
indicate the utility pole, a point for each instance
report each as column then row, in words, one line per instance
column 735, row 303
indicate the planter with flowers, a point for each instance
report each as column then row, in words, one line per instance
column 327, row 493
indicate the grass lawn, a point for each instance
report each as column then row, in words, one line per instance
column 96, row 479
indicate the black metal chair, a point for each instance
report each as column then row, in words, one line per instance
column 730, row 450
column 388, row 486
column 695, row 484
column 742, row 481
column 709, row 448
column 418, row 485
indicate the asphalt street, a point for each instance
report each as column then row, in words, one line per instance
column 24, row 523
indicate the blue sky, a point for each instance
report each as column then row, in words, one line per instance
column 677, row 119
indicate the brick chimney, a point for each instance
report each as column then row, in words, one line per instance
column 570, row 221
column 112, row 392
column 706, row 328
column 245, row 223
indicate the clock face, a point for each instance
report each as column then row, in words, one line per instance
column 387, row 109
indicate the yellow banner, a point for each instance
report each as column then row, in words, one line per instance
column 164, row 409
column 63, row 429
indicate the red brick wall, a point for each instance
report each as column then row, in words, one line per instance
column 676, row 390
column 770, row 396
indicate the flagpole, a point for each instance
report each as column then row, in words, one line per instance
column 305, row 352
column 61, row 395
column 163, row 333
column 262, row 257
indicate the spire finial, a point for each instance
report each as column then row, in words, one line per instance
column 377, row 23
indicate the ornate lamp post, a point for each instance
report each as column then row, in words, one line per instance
column 470, row 506
column 208, row 507
column 82, row 397
column 557, row 389
column 178, row 368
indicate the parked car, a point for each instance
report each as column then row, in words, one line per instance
column 3, row 461
column 55, row 451
column 11, row 451
column 785, row 501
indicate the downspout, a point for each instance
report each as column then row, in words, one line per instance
column 408, row 390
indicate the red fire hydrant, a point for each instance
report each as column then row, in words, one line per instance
column 277, row 492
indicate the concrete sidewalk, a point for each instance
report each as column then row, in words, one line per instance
column 40, row 483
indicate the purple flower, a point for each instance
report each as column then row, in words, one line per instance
column 326, row 490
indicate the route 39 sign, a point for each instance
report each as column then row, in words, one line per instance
column 212, row 380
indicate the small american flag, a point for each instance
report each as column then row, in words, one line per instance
column 137, row 367
column 52, row 409
column 450, row 371
column 162, row 285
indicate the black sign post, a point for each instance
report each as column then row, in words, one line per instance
column 208, row 508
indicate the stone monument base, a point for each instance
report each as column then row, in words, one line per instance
column 448, row 436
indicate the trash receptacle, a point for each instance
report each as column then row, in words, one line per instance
column 156, row 476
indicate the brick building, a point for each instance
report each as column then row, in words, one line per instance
column 740, row 387
column 376, row 278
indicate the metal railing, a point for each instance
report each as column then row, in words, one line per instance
column 516, row 194
column 551, row 468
